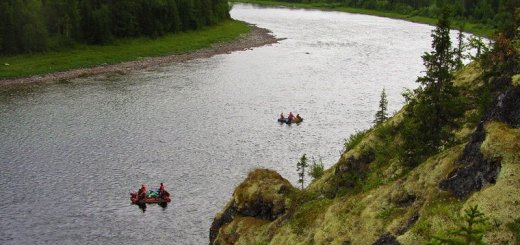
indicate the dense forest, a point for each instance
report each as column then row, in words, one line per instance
column 39, row 25
column 492, row 13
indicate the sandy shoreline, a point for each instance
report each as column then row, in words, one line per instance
column 255, row 38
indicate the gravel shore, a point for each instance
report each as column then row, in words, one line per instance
column 255, row 38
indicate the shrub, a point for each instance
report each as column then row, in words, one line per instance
column 354, row 139
column 515, row 228
column 317, row 169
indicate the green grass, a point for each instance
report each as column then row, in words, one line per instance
column 307, row 214
column 123, row 50
column 475, row 28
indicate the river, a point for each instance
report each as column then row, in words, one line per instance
column 70, row 152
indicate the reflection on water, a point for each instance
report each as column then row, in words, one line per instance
column 142, row 206
column 71, row 152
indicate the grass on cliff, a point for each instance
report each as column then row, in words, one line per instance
column 83, row 56
column 389, row 196
column 475, row 28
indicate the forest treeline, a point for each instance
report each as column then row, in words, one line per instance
column 493, row 13
column 28, row 26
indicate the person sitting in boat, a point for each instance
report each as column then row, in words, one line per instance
column 162, row 192
column 141, row 194
column 290, row 117
column 281, row 117
column 298, row 117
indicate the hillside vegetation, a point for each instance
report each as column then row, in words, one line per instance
column 30, row 26
column 122, row 50
column 466, row 189
column 480, row 17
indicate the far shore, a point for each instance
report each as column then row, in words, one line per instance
column 256, row 37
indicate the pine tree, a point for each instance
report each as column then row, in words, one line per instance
column 459, row 56
column 471, row 231
column 382, row 114
column 300, row 167
column 435, row 105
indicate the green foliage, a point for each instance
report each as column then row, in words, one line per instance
column 119, row 51
column 354, row 139
column 316, row 169
column 433, row 108
column 300, row 167
column 471, row 231
column 461, row 47
column 515, row 228
column 27, row 25
column 382, row 113
column 476, row 43
column 22, row 27
column 386, row 148
column 307, row 213
column 481, row 16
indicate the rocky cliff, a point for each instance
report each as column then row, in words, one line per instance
column 369, row 197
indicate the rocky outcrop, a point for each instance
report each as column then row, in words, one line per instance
column 476, row 170
column 224, row 218
column 386, row 239
column 262, row 195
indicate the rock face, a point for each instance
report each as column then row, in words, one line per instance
column 476, row 170
column 262, row 195
column 386, row 239
column 353, row 169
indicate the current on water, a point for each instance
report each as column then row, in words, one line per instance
column 71, row 152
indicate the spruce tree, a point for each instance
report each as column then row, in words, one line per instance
column 382, row 114
column 474, row 226
column 459, row 56
column 435, row 105
column 300, row 167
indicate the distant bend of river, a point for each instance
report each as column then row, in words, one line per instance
column 71, row 152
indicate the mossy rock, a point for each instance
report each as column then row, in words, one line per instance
column 263, row 194
column 261, row 198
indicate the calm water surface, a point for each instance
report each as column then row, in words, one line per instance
column 71, row 152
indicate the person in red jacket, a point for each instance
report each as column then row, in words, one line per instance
column 162, row 192
column 141, row 194
column 290, row 117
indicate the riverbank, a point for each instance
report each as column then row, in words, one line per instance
column 474, row 28
column 128, row 56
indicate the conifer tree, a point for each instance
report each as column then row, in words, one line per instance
column 435, row 105
column 300, row 167
column 471, row 231
column 459, row 56
column 382, row 114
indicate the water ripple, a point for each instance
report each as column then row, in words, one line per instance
column 71, row 152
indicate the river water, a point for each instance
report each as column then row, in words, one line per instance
column 71, row 152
